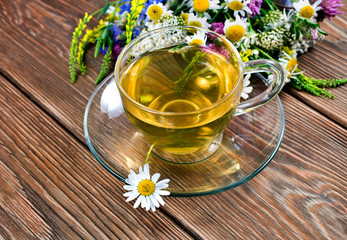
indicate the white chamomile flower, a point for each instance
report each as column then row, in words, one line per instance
column 246, row 89
column 202, row 6
column 147, row 189
column 110, row 10
column 156, row 11
column 239, row 7
column 289, row 64
column 198, row 39
column 287, row 18
column 235, row 30
column 280, row 19
column 306, row 10
column 197, row 21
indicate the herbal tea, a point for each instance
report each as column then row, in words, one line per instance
column 180, row 83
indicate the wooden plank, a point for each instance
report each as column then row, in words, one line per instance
column 328, row 59
column 302, row 194
column 51, row 187
column 34, row 49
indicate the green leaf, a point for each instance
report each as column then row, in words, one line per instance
column 322, row 32
column 104, row 37
column 104, row 34
column 109, row 40
column 309, row 23
column 104, row 10
column 103, row 28
column 97, row 48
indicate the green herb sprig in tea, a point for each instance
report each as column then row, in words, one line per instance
column 179, row 84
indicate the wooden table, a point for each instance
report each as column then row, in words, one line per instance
column 51, row 187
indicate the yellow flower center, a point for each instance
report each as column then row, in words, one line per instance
column 235, row 33
column 201, row 5
column 146, row 187
column 185, row 17
column 195, row 24
column 155, row 12
column 196, row 43
column 236, row 6
column 291, row 65
column 306, row 12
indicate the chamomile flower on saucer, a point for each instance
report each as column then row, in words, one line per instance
column 246, row 89
column 197, row 21
column 239, row 7
column 202, row 6
column 306, row 10
column 156, row 11
column 197, row 40
column 235, row 30
column 146, row 189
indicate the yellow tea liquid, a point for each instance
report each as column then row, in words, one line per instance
column 153, row 81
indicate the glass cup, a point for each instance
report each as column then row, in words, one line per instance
column 180, row 93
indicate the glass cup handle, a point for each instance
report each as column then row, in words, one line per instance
column 274, row 86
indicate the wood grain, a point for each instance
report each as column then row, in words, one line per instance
column 328, row 59
column 300, row 195
column 36, row 39
column 51, row 187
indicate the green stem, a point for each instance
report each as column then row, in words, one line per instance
column 99, row 10
column 115, row 10
column 202, row 72
column 179, row 7
column 149, row 152
column 271, row 5
column 250, row 24
column 214, row 17
column 265, row 54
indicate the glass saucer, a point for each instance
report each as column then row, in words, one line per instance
column 249, row 143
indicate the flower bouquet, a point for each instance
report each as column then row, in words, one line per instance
column 259, row 29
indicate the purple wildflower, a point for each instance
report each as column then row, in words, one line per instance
column 117, row 48
column 217, row 27
column 329, row 9
column 116, row 32
column 136, row 32
column 219, row 49
column 314, row 33
column 125, row 8
column 255, row 6
column 103, row 50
